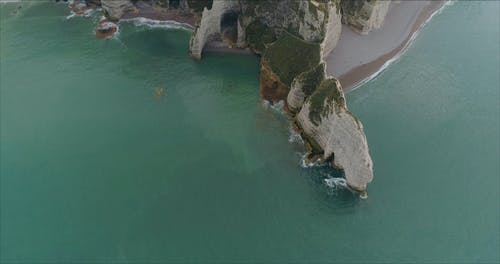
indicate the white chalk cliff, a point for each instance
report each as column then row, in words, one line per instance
column 293, row 37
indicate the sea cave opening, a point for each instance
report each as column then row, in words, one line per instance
column 229, row 27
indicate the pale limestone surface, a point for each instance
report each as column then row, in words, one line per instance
column 340, row 134
column 333, row 31
column 116, row 8
column 209, row 27
column 370, row 16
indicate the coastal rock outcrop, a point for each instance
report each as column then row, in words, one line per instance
column 115, row 9
column 106, row 29
column 303, row 86
column 293, row 38
column 335, row 135
column 282, row 61
column 259, row 23
column 210, row 25
column 333, row 28
column 317, row 106
column 364, row 15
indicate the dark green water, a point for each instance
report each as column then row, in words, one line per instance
column 95, row 168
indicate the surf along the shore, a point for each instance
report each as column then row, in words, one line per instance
column 359, row 58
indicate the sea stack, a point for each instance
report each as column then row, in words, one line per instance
column 293, row 38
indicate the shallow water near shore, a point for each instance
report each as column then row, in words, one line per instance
column 97, row 166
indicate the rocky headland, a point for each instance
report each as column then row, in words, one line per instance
column 296, row 40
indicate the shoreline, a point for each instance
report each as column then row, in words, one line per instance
column 351, row 67
column 222, row 47
column 147, row 11
column 362, row 73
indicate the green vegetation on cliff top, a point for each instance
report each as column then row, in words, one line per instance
column 311, row 79
column 290, row 56
column 326, row 95
column 259, row 35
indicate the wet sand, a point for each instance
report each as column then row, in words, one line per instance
column 358, row 57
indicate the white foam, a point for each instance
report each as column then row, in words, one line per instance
column 86, row 13
column 294, row 136
column 405, row 48
column 169, row 24
column 279, row 106
column 305, row 163
column 335, row 183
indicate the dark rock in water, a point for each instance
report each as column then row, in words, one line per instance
column 106, row 29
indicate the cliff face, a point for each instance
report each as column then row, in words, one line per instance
column 293, row 37
column 115, row 9
column 364, row 15
column 209, row 27
column 334, row 135
column 316, row 103
column 260, row 23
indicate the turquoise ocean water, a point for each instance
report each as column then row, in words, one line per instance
column 95, row 168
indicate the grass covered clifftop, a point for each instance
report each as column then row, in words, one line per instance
column 290, row 56
column 259, row 36
column 293, row 59
column 326, row 96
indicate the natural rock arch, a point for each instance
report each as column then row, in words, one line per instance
column 210, row 27
column 229, row 26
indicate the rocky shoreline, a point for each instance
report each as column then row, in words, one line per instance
column 294, row 40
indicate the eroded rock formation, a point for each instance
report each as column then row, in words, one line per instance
column 293, row 37
column 334, row 134
column 115, row 9
column 364, row 15
column 317, row 106
column 209, row 27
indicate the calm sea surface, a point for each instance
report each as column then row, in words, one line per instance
column 96, row 168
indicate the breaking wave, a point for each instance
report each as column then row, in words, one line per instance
column 406, row 46
column 335, row 183
column 305, row 163
column 169, row 24
column 294, row 136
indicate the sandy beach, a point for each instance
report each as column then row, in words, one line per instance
column 357, row 57
column 146, row 10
